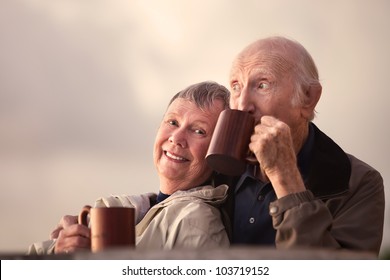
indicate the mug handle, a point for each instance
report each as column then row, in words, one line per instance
column 83, row 216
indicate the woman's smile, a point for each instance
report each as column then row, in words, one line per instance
column 174, row 157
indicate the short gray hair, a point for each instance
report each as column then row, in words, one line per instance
column 204, row 94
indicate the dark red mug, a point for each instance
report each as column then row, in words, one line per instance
column 110, row 227
column 228, row 152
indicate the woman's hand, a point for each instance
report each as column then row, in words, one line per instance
column 70, row 236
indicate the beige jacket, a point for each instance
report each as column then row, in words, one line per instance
column 186, row 219
column 140, row 202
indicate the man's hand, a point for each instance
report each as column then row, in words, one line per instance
column 273, row 147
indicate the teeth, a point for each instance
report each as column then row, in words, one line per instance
column 174, row 157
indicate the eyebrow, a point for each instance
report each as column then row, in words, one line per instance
column 198, row 121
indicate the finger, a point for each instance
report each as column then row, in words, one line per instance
column 73, row 238
column 77, row 230
column 54, row 234
column 65, row 222
column 68, row 220
column 72, row 244
column 268, row 120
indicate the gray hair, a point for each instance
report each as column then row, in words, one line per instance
column 306, row 75
column 304, row 69
column 204, row 94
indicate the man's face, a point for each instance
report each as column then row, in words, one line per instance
column 182, row 141
column 261, row 83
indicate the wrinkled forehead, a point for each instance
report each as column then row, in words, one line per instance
column 263, row 57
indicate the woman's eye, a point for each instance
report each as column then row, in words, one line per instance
column 173, row 122
column 199, row 131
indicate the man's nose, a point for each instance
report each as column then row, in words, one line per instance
column 244, row 101
column 178, row 138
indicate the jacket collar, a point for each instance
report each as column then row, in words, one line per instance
column 208, row 194
column 329, row 168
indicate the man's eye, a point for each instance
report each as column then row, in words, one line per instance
column 236, row 87
column 263, row 86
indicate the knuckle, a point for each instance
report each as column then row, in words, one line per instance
column 69, row 220
column 54, row 234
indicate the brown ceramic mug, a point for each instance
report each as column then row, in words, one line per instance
column 228, row 152
column 110, row 227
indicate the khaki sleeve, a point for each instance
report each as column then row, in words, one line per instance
column 42, row 248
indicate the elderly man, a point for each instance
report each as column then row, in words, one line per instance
column 306, row 191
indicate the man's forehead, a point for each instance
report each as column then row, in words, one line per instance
column 261, row 63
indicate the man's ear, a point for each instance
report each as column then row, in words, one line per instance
column 312, row 95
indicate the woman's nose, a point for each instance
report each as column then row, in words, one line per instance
column 178, row 138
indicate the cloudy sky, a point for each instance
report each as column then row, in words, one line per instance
column 83, row 85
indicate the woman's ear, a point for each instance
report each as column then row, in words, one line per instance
column 312, row 95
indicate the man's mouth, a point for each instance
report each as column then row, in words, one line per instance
column 174, row 157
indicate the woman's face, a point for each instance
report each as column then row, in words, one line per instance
column 182, row 141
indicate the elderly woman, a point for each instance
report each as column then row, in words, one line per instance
column 186, row 212
column 186, row 215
